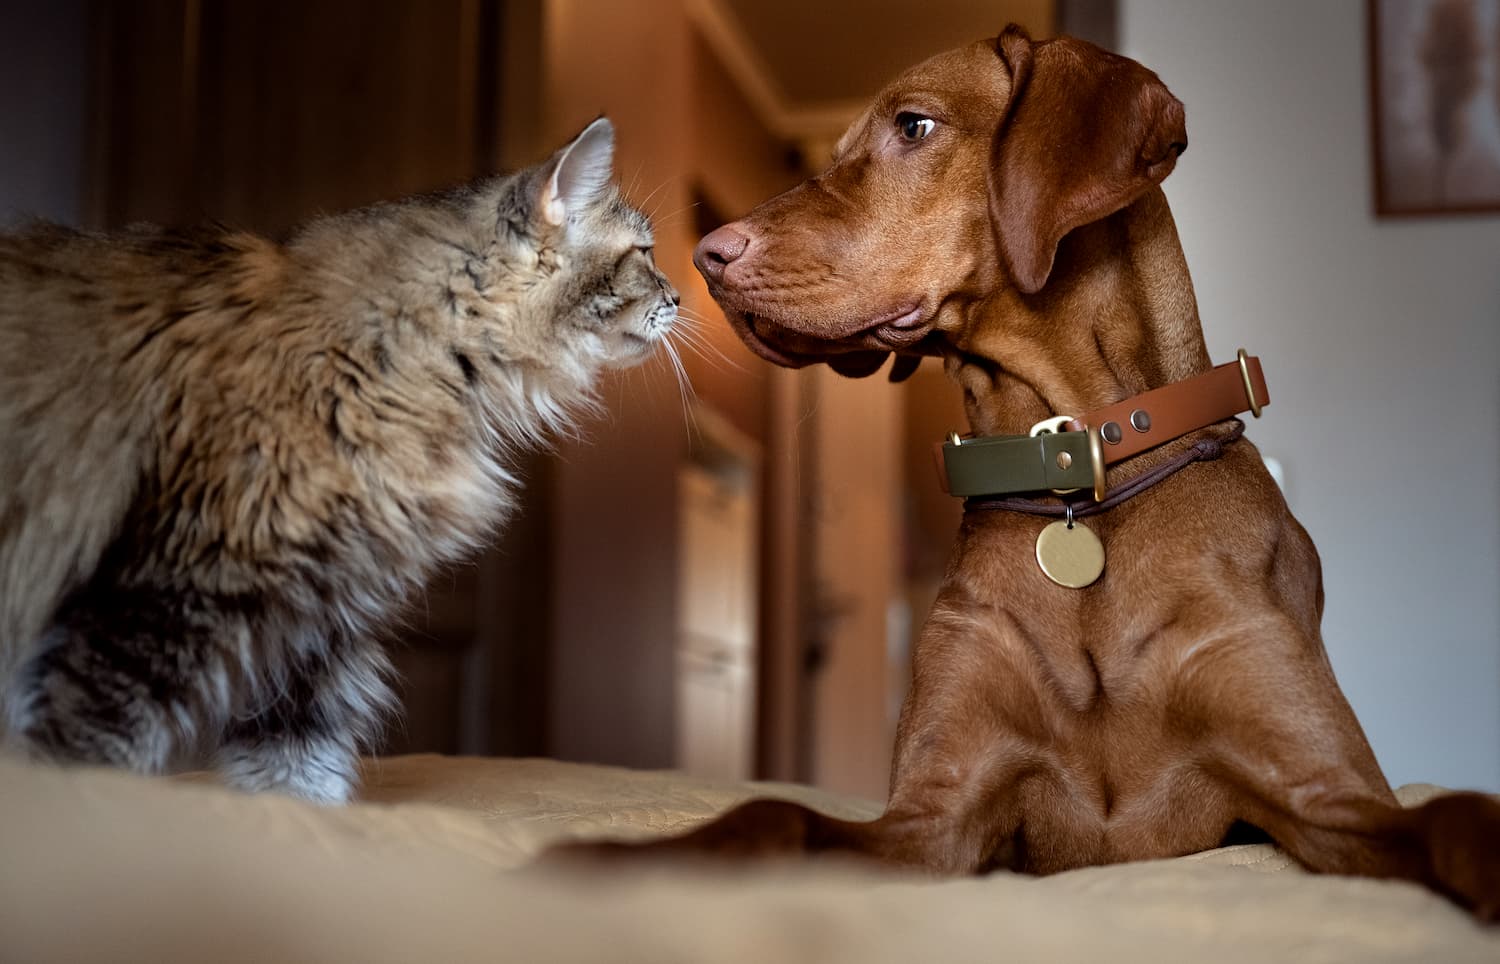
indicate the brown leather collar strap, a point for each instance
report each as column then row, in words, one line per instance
column 1067, row 453
column 1156, row 417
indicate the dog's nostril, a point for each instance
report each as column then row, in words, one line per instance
column 717, row 249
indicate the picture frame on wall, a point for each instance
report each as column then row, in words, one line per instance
column 1435, row 106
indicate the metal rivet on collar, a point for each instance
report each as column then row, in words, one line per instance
column 1140, row 420
column 1064, row 459
column 1111, row 432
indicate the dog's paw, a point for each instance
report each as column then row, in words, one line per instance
column 758, row 830
column 1463, row 845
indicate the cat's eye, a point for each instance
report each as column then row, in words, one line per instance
column 914, row 127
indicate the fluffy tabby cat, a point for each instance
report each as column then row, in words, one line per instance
column 224, row 462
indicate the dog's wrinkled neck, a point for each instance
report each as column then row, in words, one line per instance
column 1117, row 317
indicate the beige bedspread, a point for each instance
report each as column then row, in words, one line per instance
column 102, row 866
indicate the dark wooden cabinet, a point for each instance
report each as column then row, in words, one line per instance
column 264, row 112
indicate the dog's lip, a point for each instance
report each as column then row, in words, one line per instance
column 893, row 330
column 904, row 318
column 902, row 330
column 744, row 325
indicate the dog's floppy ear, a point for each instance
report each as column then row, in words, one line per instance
column 1085, row 134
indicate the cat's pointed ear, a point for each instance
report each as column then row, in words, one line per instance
column 579, row 172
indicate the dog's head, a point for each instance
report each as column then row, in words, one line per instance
column 961, row 179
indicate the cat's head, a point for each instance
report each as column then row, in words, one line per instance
column 598, row 281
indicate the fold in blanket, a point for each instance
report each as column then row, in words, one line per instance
column 103, row 866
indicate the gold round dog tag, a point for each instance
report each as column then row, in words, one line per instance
column 1072, row 557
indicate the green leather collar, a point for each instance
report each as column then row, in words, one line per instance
column 1002, row 464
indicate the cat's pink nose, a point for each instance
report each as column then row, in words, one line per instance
column 717, row 249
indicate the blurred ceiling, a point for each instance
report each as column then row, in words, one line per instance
column 809, row 65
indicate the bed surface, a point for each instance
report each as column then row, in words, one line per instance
column 432, row 865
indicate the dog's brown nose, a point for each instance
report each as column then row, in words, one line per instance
column 717, row 249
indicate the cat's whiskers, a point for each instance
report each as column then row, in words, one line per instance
column 698, row 341
column 684, row 384
column 641, row 205
column 707, row 352
column 667, row 218
column 635, row 178
column 651, row 214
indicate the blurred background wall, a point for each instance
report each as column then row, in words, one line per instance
column 1381, row 339
column 729, row 582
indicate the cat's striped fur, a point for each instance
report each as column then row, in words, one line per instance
column 224, row 462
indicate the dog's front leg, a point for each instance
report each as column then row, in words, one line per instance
column 1285, row 745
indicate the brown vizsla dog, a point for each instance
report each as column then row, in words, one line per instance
column 999, row 205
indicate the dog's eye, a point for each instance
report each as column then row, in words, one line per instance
column 914, row 127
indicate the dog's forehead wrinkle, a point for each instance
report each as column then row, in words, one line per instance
column 851, row 134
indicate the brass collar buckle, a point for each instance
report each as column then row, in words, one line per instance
column 1055, row 424
column 1244, row 361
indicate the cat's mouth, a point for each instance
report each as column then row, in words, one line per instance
column 634, row 345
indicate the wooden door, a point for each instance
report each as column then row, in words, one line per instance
column 718, row 563
column 854, row 596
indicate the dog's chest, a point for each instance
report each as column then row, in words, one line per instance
column 1125, row 803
